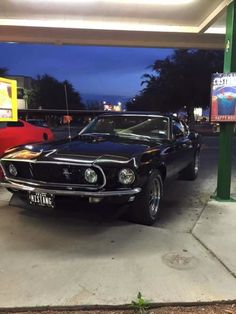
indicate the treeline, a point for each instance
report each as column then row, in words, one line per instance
column 49, row 93
column 180, row 81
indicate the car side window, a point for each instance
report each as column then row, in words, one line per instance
column 178, row 129
column 15, row 124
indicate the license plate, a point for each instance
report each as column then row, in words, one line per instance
column 42, row 199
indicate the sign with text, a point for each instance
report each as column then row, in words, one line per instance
column 8, row 100
column 223, row 97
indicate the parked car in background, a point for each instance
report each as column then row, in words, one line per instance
column 38, row 122
column 123, row 158
column 19, row 133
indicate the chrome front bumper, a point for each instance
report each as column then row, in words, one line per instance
column 69, row 192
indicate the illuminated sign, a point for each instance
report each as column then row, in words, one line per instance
column 110, row 107
column 223, row 97
column 8, row 100
column 67, row 119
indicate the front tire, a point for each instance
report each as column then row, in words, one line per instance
column 145, row 208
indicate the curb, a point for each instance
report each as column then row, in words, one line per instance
column 112, row 307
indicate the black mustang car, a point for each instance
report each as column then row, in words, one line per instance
column 120, row 157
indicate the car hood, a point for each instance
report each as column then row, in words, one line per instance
column 87, row 149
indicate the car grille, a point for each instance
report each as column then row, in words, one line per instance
column 58, row 173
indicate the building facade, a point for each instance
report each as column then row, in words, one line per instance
column 24, row 85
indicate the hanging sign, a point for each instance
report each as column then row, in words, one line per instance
column 8, row 100
column 223, row 97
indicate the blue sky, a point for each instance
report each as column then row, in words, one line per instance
column 91, row 69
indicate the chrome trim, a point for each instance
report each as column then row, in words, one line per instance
column 22, row 187
column 35, row 182
column 48, row 162
column 51, row 184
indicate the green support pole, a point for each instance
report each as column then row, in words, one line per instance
column 226, row 129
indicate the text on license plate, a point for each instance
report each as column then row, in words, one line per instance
column 42, row 199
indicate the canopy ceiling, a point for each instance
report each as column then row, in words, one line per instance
column 146, row 23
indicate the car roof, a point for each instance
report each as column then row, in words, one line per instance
column 35, row 120
column 135, row 113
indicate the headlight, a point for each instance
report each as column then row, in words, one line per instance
column 126, row 176
column 90, row 176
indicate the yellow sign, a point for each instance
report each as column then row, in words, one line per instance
column 8, row 100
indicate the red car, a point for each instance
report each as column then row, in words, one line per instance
column 19, row 133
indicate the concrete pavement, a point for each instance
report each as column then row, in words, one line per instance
column 59, row 258
column 216, row 229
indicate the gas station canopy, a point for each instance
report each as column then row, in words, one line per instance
column 138, row 23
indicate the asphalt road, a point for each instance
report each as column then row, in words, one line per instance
column 184, row 200
column 182, row 204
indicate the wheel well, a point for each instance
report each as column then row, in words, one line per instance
column 45, row 136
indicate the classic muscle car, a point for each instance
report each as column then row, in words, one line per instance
column 120, row 157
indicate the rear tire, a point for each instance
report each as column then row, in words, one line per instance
column 145, row 208
column 191, row 172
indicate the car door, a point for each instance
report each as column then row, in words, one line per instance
column 18, row 133
column 182, row 145
column 15, row 133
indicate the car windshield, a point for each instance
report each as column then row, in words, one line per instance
column 142, row 126
column 37, row 122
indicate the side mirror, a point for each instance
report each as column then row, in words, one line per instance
column 193, row 136
column 178, row 135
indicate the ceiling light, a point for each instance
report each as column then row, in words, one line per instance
column 158, row 2
column 142, row 2
column 216, row 30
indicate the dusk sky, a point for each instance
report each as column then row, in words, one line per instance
column 91, row 70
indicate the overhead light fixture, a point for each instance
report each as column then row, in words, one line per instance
column 157, row 2
column 216, row 30
column 142, row 2
column 83, row 24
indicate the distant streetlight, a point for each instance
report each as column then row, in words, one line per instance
column 104, row 102
column 119, row 103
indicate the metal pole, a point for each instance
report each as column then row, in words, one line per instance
column 67, row 112
column 226, row 129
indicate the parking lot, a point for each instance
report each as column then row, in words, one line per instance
column 79, row 254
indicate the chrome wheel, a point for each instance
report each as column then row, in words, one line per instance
column 146, row 207
column 154, row 197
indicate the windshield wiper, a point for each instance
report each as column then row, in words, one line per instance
column 134, row 135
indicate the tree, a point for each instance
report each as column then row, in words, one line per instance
column 48, row 93
column 181, row 80
column 3, row 72
column 94, row 105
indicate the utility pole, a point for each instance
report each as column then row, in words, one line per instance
column 227, row 128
